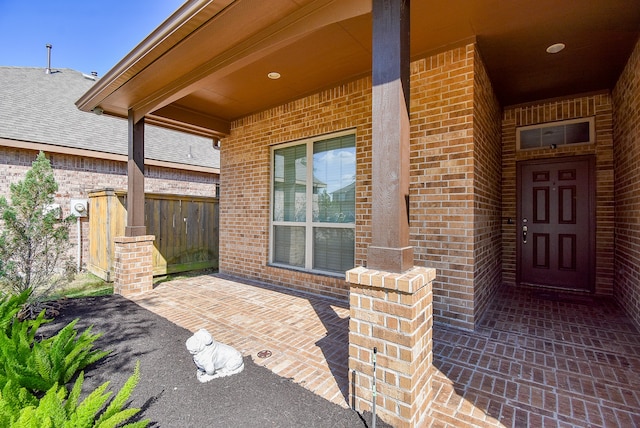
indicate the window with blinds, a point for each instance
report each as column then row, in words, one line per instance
column 313, row 205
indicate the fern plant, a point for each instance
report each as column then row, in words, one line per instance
column 16, row 355
column 13, row 398
column 39, row 364
column 10, row 305
column 33, row 375
column 66, row 353
column 57, row 410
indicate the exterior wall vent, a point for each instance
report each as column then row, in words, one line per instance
column 555, row 134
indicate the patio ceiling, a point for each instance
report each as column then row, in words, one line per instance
column 208, row 63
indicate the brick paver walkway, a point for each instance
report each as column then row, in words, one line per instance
column 306, row 335
column 538, row 359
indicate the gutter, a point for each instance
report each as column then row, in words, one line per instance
column 48, row 148
column 180, row 24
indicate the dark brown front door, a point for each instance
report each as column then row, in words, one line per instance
column 556, row 223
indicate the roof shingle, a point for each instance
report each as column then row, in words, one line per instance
column 40, row 108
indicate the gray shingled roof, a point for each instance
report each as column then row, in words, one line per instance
column 40, row 108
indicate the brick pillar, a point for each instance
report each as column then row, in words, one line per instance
column 133, row 264
column 393, row 312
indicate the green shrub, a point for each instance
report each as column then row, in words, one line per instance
column 13, row 398
column 10, row 305
column 33, row 238
column 33, row 375
column 37, row 365
column 57, row 410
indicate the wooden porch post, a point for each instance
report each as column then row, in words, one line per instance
column 135, row 173
column 391, row 301
column 133, row 261
column 389, row 249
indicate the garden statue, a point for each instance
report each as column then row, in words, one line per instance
column 213, row 359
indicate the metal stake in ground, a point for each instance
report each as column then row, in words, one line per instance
column 373, row 407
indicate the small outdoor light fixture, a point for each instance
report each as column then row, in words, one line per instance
column 555, row 48
column 274, row 75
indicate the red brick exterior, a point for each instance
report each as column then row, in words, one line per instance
column 600, row 106
column 77, row 176
column 133, row 265
column 454, row 150
column 487, row 192
column 245, row 162
column 463, row 173
column 626, row 96
column 455, row 199
column 392, row 313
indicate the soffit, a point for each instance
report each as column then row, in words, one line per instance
column 211, row 68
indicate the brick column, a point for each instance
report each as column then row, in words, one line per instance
column 393, row 312
column 133, row 264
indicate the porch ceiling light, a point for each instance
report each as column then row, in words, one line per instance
column 555, row 48
column 274, row 75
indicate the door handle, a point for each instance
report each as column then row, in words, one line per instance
column 524, row 234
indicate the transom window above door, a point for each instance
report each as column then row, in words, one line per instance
column 555, row 134
column 313, row 204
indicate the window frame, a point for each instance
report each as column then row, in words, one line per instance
column 308, row 224
column 590, row 120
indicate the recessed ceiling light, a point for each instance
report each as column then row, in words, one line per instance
column 555, row 48
column 274, row 75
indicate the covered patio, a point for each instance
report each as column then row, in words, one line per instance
column 380, row 139
column 538, row 358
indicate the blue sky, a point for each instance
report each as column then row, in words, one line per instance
column 86, row 35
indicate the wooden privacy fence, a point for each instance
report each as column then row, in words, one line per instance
column 185, row 228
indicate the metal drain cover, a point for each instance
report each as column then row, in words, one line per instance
column 264, row 354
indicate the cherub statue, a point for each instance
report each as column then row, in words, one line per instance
column 213, row 359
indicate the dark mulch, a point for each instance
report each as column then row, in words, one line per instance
column 169, row 392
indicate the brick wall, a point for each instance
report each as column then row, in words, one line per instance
column 626, row 97
column 442, row 181
column 455, row 200
column 133, row 265
column 598, row 105
column 487, row 193
column 245, row 162
column 77, row 176
column 392, row 313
